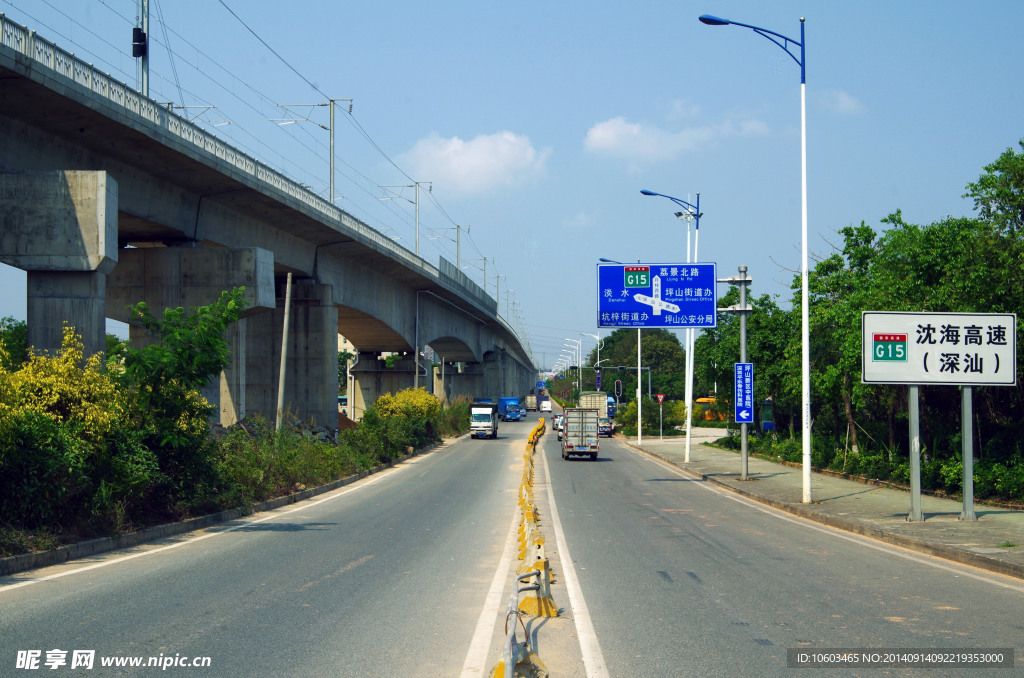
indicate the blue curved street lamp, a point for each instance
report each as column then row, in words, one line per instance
column 784, row 43
column 692, row 212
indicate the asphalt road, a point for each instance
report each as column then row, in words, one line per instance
column 385, row 577
column 406, row 573
column 681, row 579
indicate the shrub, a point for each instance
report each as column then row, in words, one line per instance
column 951, row 471
column 454, row 419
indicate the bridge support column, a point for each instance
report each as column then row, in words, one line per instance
column 469, row 382
column 185, row 277
column 311, row 367
column 493, row 375
column 61, row 227
column 372, row 377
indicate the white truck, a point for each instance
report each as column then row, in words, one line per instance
column 531, row 403
column 594, row 400
column 579, row 433
column 483, row 420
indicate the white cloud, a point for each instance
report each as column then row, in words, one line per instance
column 477, row 165
column 840, row 101
column 640, row 143
column 581, row 220
column 683, row 109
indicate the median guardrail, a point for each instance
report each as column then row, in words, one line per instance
column 533, row 576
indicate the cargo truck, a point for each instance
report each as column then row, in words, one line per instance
column 483, row 420
column 531, row 403
column 508, row 409
column 580, row 434
column 594, row 400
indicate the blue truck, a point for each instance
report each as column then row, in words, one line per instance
column 509, row 409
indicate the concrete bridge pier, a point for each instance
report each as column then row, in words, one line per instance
column 372, row 378
column 61, row 227
column 311, row 365
column 186, row 277
column 459, row 380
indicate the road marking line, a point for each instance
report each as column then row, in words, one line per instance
column 892, row 549
column 301, row 506
column 474, row 665
column 593, row 659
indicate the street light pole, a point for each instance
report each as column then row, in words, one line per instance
column 692, row 212
column 805, row 353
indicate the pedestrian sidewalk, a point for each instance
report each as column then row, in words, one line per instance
column 877, row 512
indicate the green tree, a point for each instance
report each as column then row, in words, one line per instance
column 660, row 350
column 999, row 192
column 13, row 341
column 164, row 379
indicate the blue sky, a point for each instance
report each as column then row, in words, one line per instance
column 537, row 124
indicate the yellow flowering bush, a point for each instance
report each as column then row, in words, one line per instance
column 65, row 388
column 410, row 401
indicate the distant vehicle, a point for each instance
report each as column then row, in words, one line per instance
column 557, row 421
column 594, row 400
column 545, row 405
column 704, row 408
column 483, row 420
column 508, row 409
column 531, row 403
column 605, row 427
column 581, row 437
column 343, row 404
column 613, row 407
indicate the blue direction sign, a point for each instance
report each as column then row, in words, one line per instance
column 540, row 384
column 744, row 393
column 657, row 295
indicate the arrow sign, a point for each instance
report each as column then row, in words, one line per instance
column 744, row 373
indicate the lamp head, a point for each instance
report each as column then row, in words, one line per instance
column 713, row 20
column 646, row 192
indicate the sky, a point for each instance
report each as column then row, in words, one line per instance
column 533, row 126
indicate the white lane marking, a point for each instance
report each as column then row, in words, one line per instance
column 301, row 506
column 474, row 665
column 861, row 540
column 593, row 659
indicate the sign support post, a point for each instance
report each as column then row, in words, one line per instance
column 742, row 368
column 967, row 413
column 914, row 407
column 953, row 349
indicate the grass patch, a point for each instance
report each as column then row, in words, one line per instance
column 14, row 541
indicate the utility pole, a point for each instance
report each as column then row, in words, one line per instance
column 140, row 46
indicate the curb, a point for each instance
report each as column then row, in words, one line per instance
column 938, row 550
column 31, row 561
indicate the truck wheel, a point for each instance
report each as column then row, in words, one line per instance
column 593, row 456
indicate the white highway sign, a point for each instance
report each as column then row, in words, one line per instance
column 970, row 349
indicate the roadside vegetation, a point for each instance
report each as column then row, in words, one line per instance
column 92, row 447
column 957, row 264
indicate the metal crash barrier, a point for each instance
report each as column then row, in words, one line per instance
column 532, row 577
